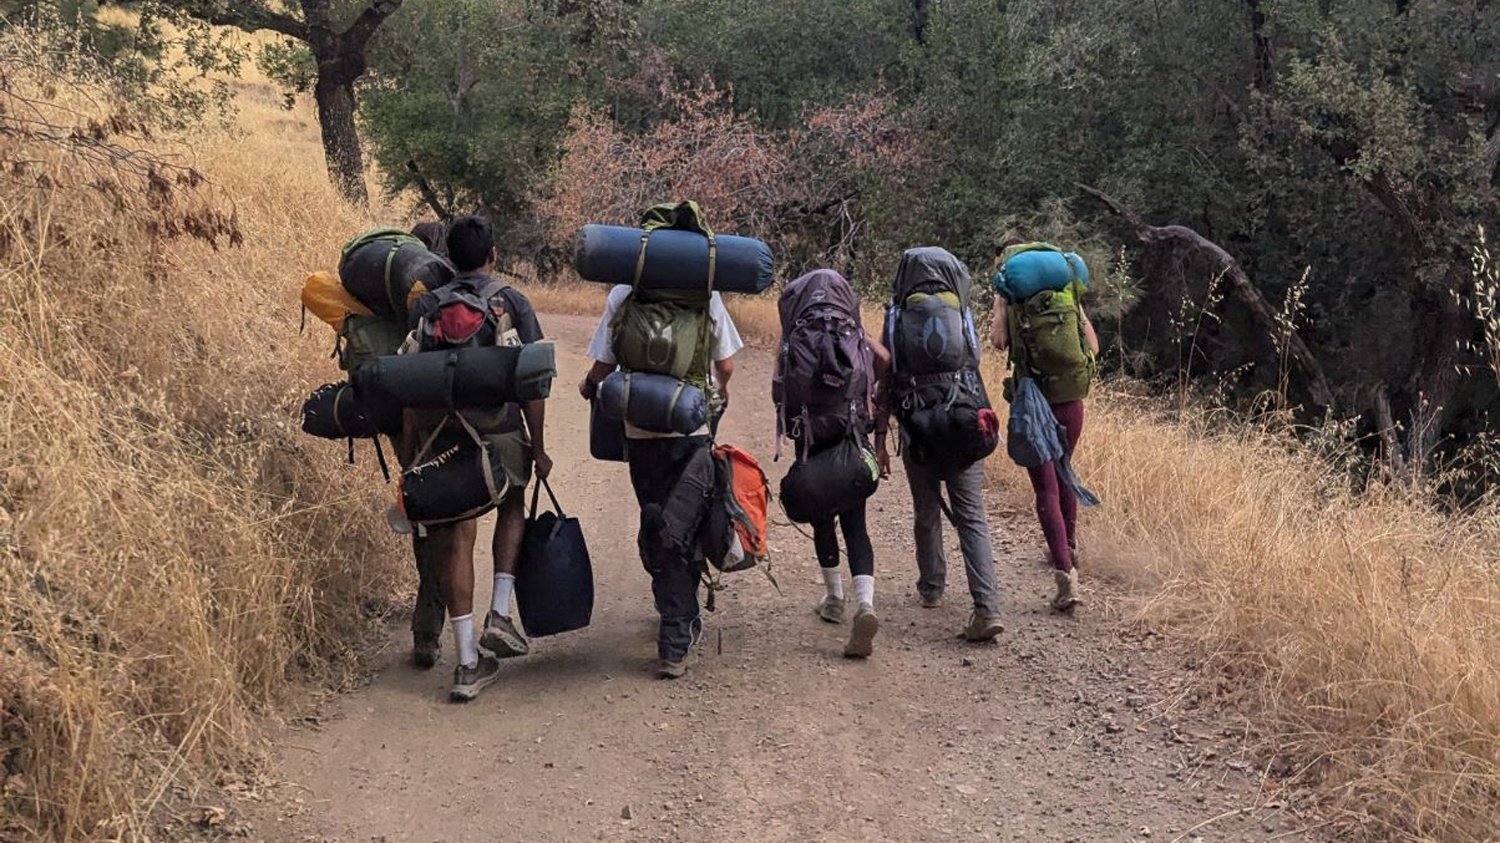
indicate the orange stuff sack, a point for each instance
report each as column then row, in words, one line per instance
column 748, row 501
column 329, row 301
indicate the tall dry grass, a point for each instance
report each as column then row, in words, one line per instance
column 174, row 553
column 1359, row 628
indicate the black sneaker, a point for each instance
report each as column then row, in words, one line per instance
column 469, row 681
column 424, row 651
column 502, row 638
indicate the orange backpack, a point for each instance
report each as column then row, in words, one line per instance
column 747, row 500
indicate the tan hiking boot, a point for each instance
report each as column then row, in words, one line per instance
column 1067, row 590
column 930, row 599
column 862, row 636
column 983, row 627
column 831, row 609
column 502, row 638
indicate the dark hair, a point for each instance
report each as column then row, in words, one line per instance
column 470, row 241
column 1013, row 237
column 433, row 234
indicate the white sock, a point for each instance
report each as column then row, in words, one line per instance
column 833, row 580
column 463, row 639
column 500, row 598
column 864, row 590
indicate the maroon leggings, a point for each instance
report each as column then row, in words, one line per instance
column 1056, row 505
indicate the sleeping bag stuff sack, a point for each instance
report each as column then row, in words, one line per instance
column 380, row 268
column 463, row 480
column 554, row 577
column 829, row 481
column 675, row 259
column 658, row 403
column 1032, row 268
column 333, row 411
column 457, row 379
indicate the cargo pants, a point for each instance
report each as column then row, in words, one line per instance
column 655, row 467
column 966, row 500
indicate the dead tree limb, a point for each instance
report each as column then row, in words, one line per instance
column 428, row 194
column 1244, row 290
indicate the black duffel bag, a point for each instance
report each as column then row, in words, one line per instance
column 830, row 480
column 458, row 379
column 333, row 411
column 554, row 578
column 455, row 478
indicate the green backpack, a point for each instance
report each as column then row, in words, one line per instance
column 1047, row 343
column 667, row 332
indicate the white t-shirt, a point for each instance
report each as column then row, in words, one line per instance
column 726, row 338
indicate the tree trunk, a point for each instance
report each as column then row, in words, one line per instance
column 335, row 99
column 920, row 15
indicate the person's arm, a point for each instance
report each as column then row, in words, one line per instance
column 1088, row 331
column 723, row 371
column 999, row 326
column 880, row 403
column 536, row 423
column 596, row 374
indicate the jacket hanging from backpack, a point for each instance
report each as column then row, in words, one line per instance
column 1035, row 438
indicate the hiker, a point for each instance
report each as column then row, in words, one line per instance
column 1063, row 375
column 825, row 394
column 659, row 461
column 433, row 234
column 515, row 433
column 947, row 426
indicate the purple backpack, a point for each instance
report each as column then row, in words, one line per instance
column 825, row 377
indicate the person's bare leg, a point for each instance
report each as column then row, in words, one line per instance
column 501, row 636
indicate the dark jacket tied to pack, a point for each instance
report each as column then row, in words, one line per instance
column 937, row 392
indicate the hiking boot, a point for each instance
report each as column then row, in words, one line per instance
column 832, row 609
column 931, row 599
column 862, row 636
column 1067, row 590
column 983, row 626
column 502, row 638
column 469, row 681
column 424, row 651
column 671, row 668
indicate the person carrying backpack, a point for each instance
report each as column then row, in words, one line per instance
column 825, row 393
column 687, row 335
column 475, row 309
column 1050, row 340
column 947, row 426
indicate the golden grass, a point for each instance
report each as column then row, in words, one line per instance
column 1359, row 629
column 174, row 553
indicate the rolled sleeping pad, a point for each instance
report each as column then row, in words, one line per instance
column 606, row 434
column 658, row 403
column 381, row 272
column 1028, row 273
column 333, row 411
column 675, row 260
column 459, row 379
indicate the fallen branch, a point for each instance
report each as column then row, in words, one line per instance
column 1244, row 290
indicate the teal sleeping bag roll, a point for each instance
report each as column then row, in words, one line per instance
column 1029, row 272
column 675, row 259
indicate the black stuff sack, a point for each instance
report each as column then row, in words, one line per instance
column 829, row 481
column 606, row 434
column 333, row 411
column 554, row 577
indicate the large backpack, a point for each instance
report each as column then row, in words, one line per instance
column 668, row 332
column 1047, row 340
column 824, row 379
column 938, row 394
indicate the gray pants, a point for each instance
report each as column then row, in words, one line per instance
column 966, row 499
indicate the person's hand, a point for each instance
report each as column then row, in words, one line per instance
column 883, row 459
column 587, row 388
column 543, row 464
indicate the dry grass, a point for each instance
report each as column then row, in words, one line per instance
column 173, row 551
column 1358, row 629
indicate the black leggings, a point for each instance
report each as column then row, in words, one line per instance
column 856, row 541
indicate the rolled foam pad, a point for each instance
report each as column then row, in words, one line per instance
column 675, row 260
column 1029, row 273
column 334, row 412
column 658, row 403
column 460, row 379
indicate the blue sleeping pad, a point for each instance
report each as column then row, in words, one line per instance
column 1028, row 273
column 675, row 259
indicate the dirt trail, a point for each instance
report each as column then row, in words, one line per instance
column 1063, row 730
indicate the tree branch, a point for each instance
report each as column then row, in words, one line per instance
column 359, row 33
column 251, row 17
column 1244, row 290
